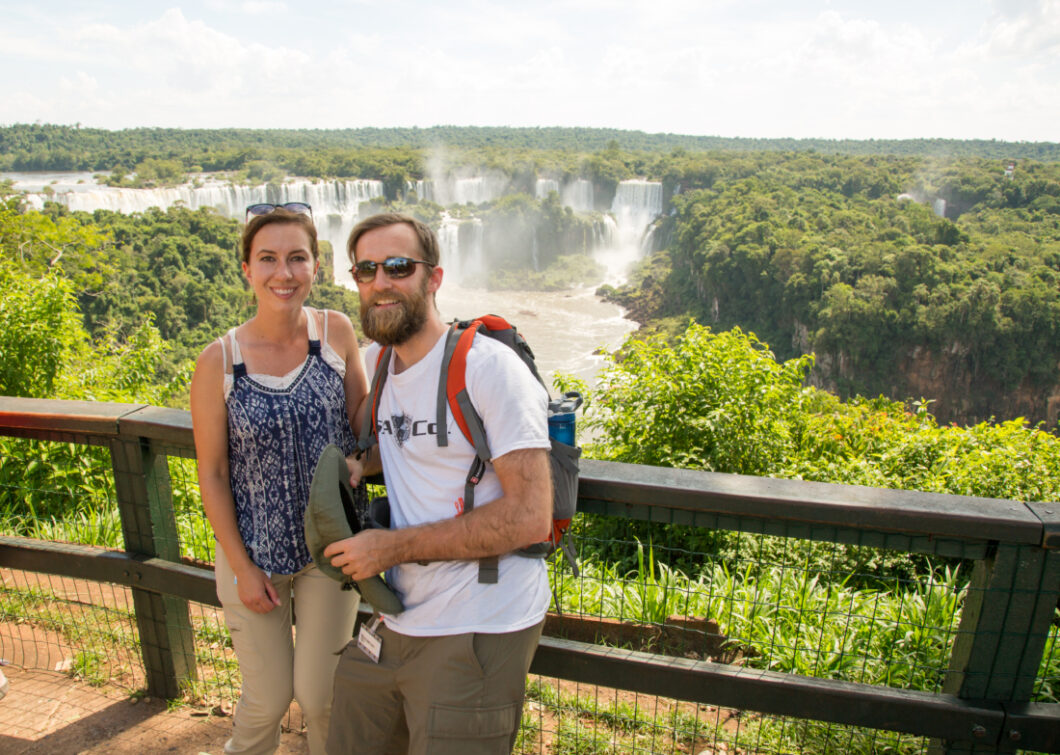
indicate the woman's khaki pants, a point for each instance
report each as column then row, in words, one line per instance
column 276, row 667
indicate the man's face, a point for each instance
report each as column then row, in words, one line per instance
column 393, row 309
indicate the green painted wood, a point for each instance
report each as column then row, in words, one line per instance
column 911, row 512
column 141, row 477
column 1032, row 726
column 102, row 565
column 56, row 415
column 169, row 427
column 917, row 713
column 979, row 634
column 1049, row 514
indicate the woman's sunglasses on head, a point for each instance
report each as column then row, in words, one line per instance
column 264, row 208
column 394, row 267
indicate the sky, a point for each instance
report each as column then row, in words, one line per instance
column 838, row 69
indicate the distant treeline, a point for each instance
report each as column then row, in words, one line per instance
column 317, row 152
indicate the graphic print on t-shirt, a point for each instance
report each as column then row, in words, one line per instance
column 403, row 427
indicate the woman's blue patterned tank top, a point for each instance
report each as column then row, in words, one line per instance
column 275, row 438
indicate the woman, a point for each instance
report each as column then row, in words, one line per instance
column 266, row 398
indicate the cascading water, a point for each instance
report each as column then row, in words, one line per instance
column 545, row 186
column 460, row 248
column 578, row 195
column 636, row 205
column 588, row 324
column 336, row 204
column 448, row 190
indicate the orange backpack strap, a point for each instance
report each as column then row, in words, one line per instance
column 452, row 389
column 452, row 392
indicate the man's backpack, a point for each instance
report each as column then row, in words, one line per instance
column 452, row 391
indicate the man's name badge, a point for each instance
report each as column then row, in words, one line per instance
column 368, row 641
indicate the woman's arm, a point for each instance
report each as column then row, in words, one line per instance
column 343, row 339
column 209, row 421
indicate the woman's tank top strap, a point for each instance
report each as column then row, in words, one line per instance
column 311, row 330
column 238, row 368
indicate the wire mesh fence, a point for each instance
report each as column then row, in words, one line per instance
column 800, row 600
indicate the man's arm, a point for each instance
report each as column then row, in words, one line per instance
column 520, row 517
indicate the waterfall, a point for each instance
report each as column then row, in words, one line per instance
column 619, row 237
column 545, row 186
column 449, row 190
column 421, row 188
column 336, row 204
column 604, row 232
column 460, row 249
column 449, row 247
column 578, row 195
column 588, row 324
column 636, row 205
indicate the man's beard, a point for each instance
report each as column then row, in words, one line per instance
column 395, row 325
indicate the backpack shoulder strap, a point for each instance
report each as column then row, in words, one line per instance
column 452, row 389
column 452, row 392
column 368, row 437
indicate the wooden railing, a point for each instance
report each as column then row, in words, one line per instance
column 984, row 705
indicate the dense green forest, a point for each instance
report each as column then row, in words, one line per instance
column 382, row 153
column 840, row 249
column 844, row 257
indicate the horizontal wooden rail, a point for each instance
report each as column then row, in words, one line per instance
column 918, row 713
column 115, row 567
column 674, row 496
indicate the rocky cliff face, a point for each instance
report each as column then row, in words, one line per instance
column 959, row 395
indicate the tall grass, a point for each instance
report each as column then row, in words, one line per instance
column 786, row 619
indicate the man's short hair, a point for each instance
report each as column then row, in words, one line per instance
column 428, row 241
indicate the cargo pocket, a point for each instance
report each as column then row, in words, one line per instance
column 471, row 731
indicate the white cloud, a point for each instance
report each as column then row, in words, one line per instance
column 262, row 7
column 1024, row 29
column 753, row 68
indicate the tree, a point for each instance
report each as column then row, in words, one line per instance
column 39, row 328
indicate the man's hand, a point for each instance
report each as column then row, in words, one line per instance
column 366, row 554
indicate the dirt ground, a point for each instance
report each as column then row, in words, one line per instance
column 48, row 713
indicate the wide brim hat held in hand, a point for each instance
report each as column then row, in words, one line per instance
column 326, row 521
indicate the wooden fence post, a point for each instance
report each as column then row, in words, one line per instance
column 1001, row 638
column 145, row 501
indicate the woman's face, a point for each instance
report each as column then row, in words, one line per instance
column 281, row 267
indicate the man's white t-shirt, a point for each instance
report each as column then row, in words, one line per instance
column 425, row 483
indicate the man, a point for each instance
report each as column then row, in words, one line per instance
column 451, row 669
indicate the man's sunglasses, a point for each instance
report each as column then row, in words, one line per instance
column 264, row 208
column 394, row 267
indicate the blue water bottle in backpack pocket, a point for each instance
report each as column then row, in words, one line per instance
column 561, row 417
